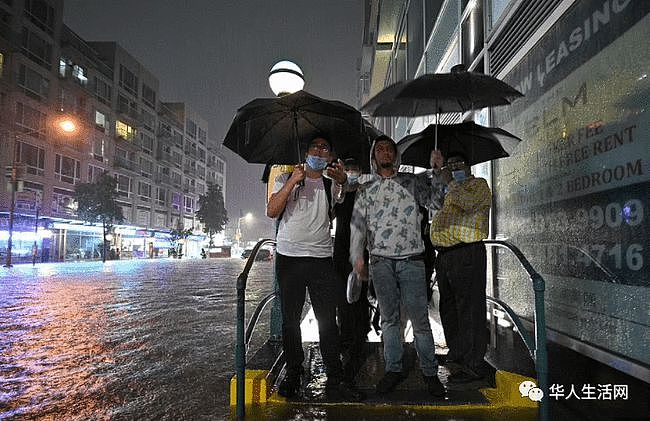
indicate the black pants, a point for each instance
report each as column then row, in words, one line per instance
column 460, row 274
column 295, row 275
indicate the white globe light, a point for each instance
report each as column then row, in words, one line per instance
column 286, row 77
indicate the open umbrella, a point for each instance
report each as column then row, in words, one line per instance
column 278, row 130
column 478, row 143
column 436, row 93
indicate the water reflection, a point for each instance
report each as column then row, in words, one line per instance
column 125, row 339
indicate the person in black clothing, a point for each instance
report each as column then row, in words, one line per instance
column 354, row 319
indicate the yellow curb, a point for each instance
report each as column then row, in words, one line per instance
column 257, row 388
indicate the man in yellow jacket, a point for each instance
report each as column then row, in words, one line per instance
column 456, row 233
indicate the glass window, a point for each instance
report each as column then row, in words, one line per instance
column 123, row 185
column 94, row 173
column 148, row 96
column 146, row 167
column 29, row 120
column 189, row 204
column 124, row 131
column 103, row 91
column 41, row 14
column 63, row 201
column 143, row 217
column 98, row 148
column 79, row 73
column 146, row 142
column 191, row 129
column 67, row 169
column 176, row 200
column 128, row 80
column 33, row 157
column 144, row 190
column 161, row 196
column 63, row 67
column 36, row 49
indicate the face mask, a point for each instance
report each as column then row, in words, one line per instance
column 353, row 177
column 459, row 175
column 316, row 163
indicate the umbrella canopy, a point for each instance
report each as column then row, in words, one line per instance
column 435, row 93
column 279, row 130
column 478, row 143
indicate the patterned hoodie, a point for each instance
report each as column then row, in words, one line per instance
column 386, row 216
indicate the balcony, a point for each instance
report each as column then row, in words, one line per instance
column 189, row 189
column 189, row 170
column 191, row 153
column 121, row 162
column 163, row 178
column 129, row 143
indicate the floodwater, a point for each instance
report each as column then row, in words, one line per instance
column 145, row 339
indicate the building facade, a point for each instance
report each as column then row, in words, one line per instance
column 574, row 194
column 159, row 152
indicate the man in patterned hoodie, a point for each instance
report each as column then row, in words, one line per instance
column 386, row 219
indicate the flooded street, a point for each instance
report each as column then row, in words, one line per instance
column 146, row 339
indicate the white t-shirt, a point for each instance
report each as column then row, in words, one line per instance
column 304, row 229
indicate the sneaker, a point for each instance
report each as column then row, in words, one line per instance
column 289, row 385
column 389, row 382
column 434, row 386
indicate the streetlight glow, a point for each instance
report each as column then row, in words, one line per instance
column 285, row 78
column 67, row 126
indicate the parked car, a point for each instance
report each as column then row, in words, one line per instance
column 262, row 254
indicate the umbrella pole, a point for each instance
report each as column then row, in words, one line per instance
column 435, row 142
column 297, row 142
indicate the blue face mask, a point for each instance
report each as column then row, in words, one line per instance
column 353, row 177
column 316, row 163
column 459, row 175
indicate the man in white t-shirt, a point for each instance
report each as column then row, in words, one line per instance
column 304, row 262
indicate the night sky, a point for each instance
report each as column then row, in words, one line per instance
column 215, row 56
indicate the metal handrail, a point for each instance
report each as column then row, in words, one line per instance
column 240, row 349
column 255, row 317
column 538, row 348
column 528, row 341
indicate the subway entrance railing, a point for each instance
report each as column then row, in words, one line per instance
column 536, row 345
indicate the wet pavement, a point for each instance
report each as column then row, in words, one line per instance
column 145, row 339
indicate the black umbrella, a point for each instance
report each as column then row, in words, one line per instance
column 436, row 93
column 279, row 130
column 478, row 143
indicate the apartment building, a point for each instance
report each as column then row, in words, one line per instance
column 159, row 152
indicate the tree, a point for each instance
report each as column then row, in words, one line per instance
column 179, row 235
column 212, row 211
column 96, row 203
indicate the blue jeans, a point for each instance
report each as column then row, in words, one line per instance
column 402, row 281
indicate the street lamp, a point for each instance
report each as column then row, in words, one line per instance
column 286, row 78
column 246, row 218
column 65, row 125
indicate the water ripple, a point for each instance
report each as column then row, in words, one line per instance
column 146, row 339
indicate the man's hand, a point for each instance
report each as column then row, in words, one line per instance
column 436, row 160
column 336, row 172
column 361, row 269
column 445, row 173
column 298, row 174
